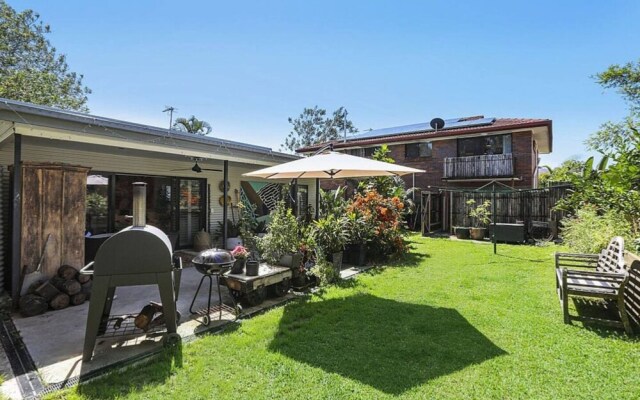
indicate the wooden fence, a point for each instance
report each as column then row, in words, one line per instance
column 530, row 206
column 485, row 166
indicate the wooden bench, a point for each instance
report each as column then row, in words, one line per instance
column 602, row 276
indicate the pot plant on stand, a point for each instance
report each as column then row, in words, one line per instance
column 481, row 216
column 241, row 254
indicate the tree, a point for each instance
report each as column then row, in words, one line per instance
column 313, row 126
column 387, row 186
column 192, row 125
column 30, row 68
column 625, row 78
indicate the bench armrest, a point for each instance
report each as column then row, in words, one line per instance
column 574, row 260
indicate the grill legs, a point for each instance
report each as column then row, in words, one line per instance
column 97, row 303
column 206, row 319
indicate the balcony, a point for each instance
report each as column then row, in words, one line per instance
column 475, row 167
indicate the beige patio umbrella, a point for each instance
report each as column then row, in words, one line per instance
column 332, row 165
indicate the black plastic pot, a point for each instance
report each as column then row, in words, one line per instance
column 462, row 232
column 252, row 268
column 358, row 254
column 238, row 266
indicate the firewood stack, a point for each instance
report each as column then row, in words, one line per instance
column 67, row 288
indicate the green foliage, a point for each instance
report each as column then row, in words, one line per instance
column 313, row 126
column 361, row 229
column 589, row 231
column 481, row 215
column 333, row 202
column 96, row 204
column 192, row 125
column 326, row 272
column 331, row 234
column 30, row 68
column 625, row 78
column 282, row 236
column 247, row 226
column 387, row 186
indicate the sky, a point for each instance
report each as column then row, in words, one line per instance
column 245, row 67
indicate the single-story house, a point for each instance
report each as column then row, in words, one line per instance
column 184, row 174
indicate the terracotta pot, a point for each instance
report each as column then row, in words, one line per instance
column 478, row 233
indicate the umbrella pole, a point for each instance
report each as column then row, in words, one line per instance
column 317, row 199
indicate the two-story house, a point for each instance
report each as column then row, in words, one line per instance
column 464, row 152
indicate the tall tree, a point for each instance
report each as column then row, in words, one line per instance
column 193, row 125
column 624, row 78
column 30, row 68
column 313, row 126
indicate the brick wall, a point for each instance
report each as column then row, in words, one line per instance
column 521, row 146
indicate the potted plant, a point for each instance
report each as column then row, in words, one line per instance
column 241, row 254
column 481, row 216
column 331, row 234
column 233, row 234
column 282, row 237
column 361, row 232
column 462, row 232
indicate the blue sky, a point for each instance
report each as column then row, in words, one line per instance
column 247, row 66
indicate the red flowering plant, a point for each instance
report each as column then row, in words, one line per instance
column 240, row 252
column 384, row 215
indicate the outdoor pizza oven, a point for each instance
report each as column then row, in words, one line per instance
column 137, row 255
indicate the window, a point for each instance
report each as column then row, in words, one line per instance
column 484, row 145
column 416, row 150
column 368, row 152
column 355, row 152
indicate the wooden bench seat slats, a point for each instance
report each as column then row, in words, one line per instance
column 603, row 276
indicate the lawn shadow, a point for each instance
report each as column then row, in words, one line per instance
column 154, row 371
column 389, row 345
column 410, row 259
column 598, row 308
column 533, row 260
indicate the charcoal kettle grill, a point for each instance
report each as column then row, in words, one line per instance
column 137, row 255
column 212, row 263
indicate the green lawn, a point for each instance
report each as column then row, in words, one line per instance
column 451, row 321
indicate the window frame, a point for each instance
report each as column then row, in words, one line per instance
column 421, row 146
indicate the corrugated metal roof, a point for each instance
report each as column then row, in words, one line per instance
column 20, row 107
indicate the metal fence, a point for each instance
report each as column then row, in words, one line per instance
column 528, row 206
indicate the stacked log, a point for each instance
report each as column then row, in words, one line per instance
column 67, row 288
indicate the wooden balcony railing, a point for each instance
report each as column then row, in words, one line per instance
column 485, row 166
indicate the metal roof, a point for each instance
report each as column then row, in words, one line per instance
column 19, row 107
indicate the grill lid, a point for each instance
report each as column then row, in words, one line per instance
column 214, row 257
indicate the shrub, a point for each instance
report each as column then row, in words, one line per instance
column 330, row 234
column 282, row 236
column 481, row 215
column 384, row 214
column 589, row 232
column 326, row 272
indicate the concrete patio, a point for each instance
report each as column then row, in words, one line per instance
column 55, row 339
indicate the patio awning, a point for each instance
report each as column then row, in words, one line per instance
column 332, row 165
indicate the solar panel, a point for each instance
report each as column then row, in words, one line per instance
column 422, row 127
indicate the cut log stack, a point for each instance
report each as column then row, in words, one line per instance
column 66, row 288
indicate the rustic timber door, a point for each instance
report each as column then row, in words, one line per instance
column 431, row 212
column 53, row 203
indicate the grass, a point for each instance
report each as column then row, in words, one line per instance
column 452, row 320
